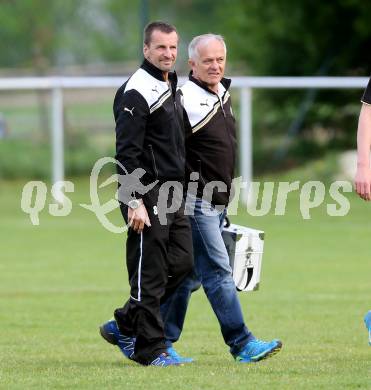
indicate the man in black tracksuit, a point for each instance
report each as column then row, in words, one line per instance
column 150, row 136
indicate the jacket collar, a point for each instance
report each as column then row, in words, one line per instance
column 224, row 81
column 157, row 73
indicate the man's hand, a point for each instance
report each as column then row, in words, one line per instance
column 138, row 218
column 362, row 182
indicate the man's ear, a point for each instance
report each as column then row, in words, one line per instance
column 191, row 63
column 145, row 50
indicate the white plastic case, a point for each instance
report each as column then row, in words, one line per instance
column 245, row 249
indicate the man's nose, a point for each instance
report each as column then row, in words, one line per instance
column 167, row 52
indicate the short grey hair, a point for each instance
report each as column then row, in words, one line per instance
column 201, row 40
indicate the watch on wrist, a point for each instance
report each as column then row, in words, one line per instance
column 134, row 203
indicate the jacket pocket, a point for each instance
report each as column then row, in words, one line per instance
column 154, row 166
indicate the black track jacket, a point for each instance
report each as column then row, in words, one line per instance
column 210, row 136
column 149, row 125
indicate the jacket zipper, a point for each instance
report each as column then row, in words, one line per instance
column 180, row 126
column 200, row 174
column 177, row 121
column 153, row 161
column 226, row 129
column 226, row 125
column 221, row 105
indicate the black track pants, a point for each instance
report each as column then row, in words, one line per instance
column 158, row 259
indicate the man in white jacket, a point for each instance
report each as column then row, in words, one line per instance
column 210, row 162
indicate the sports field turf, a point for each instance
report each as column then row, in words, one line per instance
column 62, row 279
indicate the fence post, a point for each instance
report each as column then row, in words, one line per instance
column 57, row 138
column 245, row 142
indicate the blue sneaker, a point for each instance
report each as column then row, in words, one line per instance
column 367, row 320
column 111, row 333
column 256, row 350
column 164, row 360
column 175, row 356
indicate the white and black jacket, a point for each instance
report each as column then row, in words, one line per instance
column 210, row 136
column 149, row 125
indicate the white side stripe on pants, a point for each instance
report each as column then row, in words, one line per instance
column 139, row 267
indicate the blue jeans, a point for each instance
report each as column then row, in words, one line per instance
column 213, row 271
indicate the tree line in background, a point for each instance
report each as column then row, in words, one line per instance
column 286, row 37
column 283, row 37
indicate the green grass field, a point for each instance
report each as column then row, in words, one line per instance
column 62, row 279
